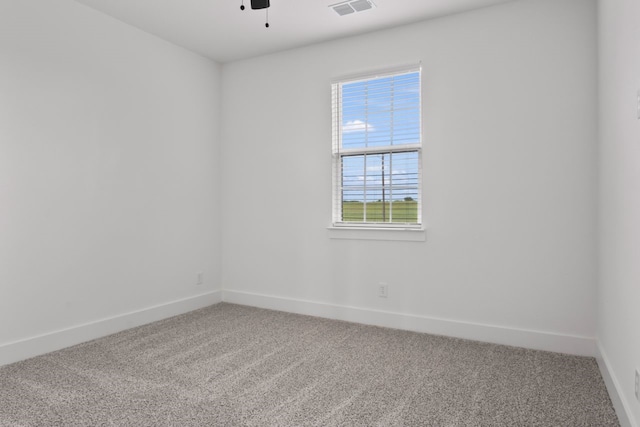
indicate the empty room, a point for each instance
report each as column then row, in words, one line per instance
column 319, row 213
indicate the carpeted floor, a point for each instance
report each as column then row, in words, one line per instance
column 230, row 365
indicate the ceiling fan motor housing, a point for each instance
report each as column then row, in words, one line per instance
column 259, row 4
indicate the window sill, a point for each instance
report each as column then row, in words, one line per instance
column 370, row 233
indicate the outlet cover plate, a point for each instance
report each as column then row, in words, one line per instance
column 383, row 290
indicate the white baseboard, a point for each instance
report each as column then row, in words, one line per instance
column 620, row 403
column 538, row 340
column 56, row 340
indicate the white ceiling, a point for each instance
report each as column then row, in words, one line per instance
column 219, row 30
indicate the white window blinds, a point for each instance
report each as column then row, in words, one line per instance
column 377, row 142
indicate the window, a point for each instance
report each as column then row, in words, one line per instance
column 377, row 143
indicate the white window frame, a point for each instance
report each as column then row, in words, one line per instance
column 338, row 152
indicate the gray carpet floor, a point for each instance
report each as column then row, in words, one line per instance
column 230, row 365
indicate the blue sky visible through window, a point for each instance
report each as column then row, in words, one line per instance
column 380, row 113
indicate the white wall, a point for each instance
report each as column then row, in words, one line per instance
column 108, row 169
column 112, row 192
column 509, row 161
column 619, row 225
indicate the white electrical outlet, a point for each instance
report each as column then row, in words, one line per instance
column 383, row 290
column 199, row 278
column 637, row 385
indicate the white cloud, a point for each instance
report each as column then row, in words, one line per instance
column 357, row 126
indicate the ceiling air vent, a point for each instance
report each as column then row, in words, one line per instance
column 347, row 7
